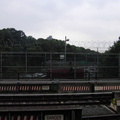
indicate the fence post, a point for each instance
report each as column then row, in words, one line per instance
column 18, row 76
column 51, row 71
column 119, row 65
column 1, row 65
column 75, row 73
column 26, row 62
column 96, row 76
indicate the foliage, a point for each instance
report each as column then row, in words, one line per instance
column 111, row 59
column 16, row 40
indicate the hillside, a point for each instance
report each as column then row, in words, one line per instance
column 16, row 40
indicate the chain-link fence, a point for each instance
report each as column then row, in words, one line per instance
column 22, row 65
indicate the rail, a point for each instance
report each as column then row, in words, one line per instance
column 56, row 99
column 102, row 117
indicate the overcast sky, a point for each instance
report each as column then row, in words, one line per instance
column 88, row 23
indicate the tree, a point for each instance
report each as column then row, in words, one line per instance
column 111, row 60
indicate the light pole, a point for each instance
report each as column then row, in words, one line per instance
column 65, row 47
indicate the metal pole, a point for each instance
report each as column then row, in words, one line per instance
column 1, row 65
column 65, row 49
column 75, row 66
column 96, row 76
column 51, row 70
column 119, row 64
column 26, row 62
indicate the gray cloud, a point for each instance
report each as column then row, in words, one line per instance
column 84, row 21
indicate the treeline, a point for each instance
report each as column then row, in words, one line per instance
column 16, row 40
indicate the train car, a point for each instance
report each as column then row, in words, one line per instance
column 65, row 73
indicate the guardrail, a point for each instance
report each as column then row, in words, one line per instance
column 9, row 87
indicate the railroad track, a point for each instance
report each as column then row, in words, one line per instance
column 56, row 99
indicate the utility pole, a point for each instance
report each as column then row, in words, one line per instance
column 65, row 47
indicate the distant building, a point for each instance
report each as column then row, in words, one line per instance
column 119, row 38
column 49, row 37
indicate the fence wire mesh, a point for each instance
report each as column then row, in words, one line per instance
column 22, row 65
